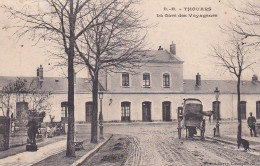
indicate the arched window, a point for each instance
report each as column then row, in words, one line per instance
column 64, row 111
column 243, row 109
column 166, row 80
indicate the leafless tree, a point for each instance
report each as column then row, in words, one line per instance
column 247, row 24
column 6, row 95
column 234, row 57
column 37, row 97
column 114, row 44
column 60, row 26
column 32, row 93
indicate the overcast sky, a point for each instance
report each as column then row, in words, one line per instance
column 192, row 36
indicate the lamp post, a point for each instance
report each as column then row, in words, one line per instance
column 101, row 116
column 217, row 92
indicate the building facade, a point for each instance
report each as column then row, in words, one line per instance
column 152, row 93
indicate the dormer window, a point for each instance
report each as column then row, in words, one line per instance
column 125, row 79
column 146, row 80
column 166, row 80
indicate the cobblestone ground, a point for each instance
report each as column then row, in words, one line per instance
column 157, row 144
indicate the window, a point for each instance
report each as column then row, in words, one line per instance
column 243, row 109
column 166, row 80
column 146, row 79
column 258, row 109
column 64, row 109
column 125, row 79
column 125, row 111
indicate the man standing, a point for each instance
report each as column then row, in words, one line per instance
column 251, row 124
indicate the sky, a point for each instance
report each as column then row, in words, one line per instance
column 193, row 38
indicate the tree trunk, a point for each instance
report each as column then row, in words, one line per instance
column 239, row 129
column 94, row 121
column 70, row 152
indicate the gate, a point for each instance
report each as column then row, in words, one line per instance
column 4, row 132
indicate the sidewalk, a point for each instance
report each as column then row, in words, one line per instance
column 30, row 158
column 19, row 149
column 228, row 134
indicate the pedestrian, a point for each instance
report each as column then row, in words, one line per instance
column 251, row 121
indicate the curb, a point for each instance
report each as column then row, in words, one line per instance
column 226, row 142
column 221, row 140
column 91, row 153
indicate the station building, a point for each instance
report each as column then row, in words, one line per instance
column 152, row 93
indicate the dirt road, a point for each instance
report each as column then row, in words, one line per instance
column 158, row 145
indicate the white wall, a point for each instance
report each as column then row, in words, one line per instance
column 228, row 107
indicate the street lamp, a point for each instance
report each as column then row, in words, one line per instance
column 100, row 95
column 217, row 92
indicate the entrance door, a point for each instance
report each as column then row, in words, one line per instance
column 146, row 111
column 243, row 109
column 166, row 111
column 258, row 109
column 125, row 111
column 89, row 107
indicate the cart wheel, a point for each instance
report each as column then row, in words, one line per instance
column 179, row 133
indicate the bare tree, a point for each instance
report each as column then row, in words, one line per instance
column 60, row 27
column 38, row 98
column 6, row 95
column 113, row 44
column 235, row 58
column 32, row 93
column 247, row 25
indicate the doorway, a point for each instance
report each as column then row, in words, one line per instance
column 146, row 110
column 89, row 107
column 166, row 111
column 125, row 111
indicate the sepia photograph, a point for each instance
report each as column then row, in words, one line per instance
column 129, row 82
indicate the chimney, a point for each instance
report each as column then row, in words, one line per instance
column 40, row 73
column 173, row 48
column 254, row 79
column 160, row 48
column 198, row 80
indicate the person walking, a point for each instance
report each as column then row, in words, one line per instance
column 251, row 121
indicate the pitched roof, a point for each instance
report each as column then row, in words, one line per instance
column 225, row 86
column 54, row 84
column 162, row 56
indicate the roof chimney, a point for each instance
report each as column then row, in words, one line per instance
column 173, row 48
column 254, row 79
column 160, row 48
column 198, row 80
column 40, row 73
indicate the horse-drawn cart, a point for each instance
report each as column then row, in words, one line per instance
column 190, row 117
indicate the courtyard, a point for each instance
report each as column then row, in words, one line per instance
column 151, row 143
column 157, row 144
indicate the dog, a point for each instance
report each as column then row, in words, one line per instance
column 244, row 143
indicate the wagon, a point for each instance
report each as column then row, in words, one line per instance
column 190, row 117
